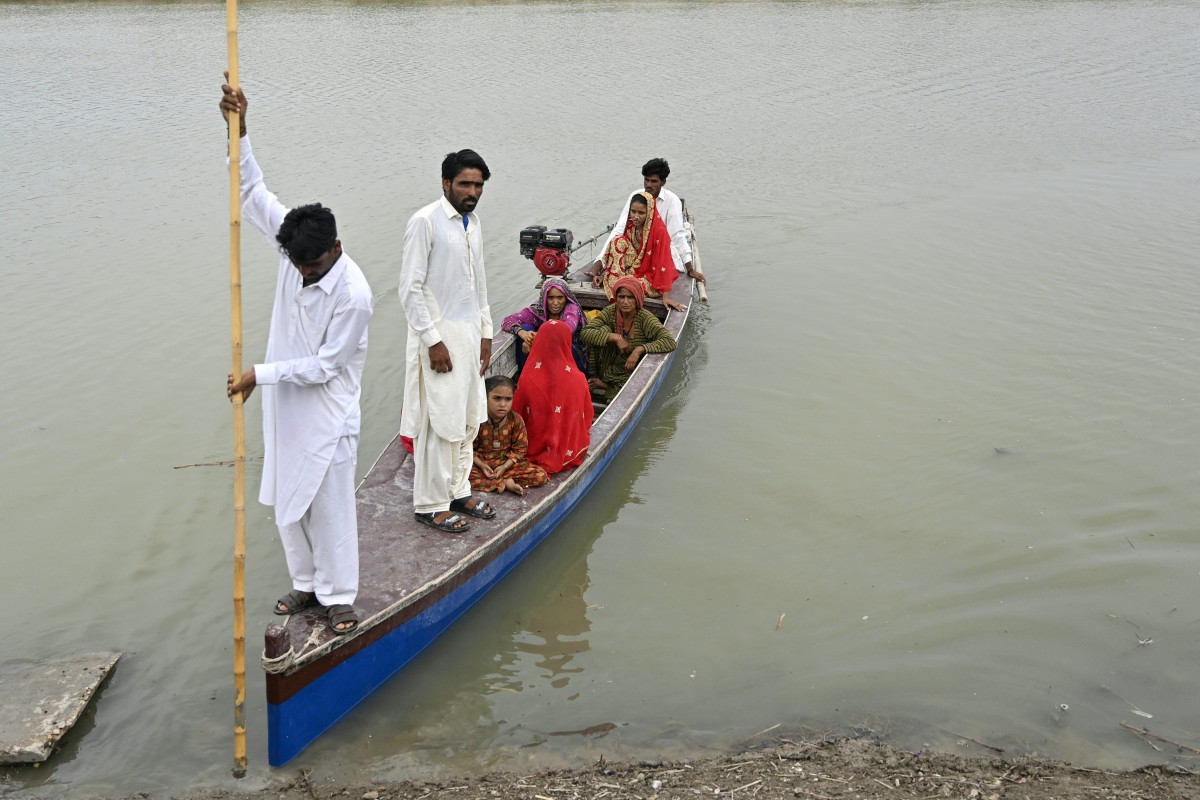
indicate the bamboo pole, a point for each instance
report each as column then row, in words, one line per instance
column 239, row 421
column 696, row 260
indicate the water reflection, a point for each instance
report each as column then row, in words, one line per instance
column 523, row 645
column 553, row 633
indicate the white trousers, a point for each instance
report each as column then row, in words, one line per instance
column 442, row 468
column 322, row 547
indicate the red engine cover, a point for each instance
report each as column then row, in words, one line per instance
column 551, row 262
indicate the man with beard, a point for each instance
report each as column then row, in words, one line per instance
column 444, row 294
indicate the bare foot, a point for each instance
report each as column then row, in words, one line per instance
column 514, row 487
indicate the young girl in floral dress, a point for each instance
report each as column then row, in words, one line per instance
column 501, row 444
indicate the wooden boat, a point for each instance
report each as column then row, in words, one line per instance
column 416, row 581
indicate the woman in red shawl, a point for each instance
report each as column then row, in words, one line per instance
column 643, row 250
column 553, row 399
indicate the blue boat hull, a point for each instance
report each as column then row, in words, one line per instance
column 297, row 721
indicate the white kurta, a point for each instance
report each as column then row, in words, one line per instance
column 443, row 290
column 670, row 208
column 312, row 376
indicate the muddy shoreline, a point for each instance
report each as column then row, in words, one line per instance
column 820, row 769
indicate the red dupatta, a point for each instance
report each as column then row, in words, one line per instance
column 651, row 261
column 554, row 400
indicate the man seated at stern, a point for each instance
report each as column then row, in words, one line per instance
column 669, row 207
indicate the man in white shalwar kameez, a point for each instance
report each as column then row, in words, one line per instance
column 667, row 205
column 311, row 381
column 444, row 293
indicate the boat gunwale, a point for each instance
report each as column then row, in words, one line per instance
column 307, row 698
column 614, row 418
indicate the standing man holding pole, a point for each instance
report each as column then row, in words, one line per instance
column 311, row 379
column 443, row 290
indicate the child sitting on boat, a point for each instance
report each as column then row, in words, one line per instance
column 500, row 446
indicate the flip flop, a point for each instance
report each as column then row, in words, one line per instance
column 450, row 524
column 481, row 509
column 294, row 601
column 341, row 614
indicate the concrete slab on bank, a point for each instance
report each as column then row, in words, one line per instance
column 40, row 702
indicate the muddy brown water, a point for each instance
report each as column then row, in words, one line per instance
column 934, row 231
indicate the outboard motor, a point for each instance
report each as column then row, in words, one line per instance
column 549, row 249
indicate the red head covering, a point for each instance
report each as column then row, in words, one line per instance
column 635, row 287
column 651, row 260
column 657, row 266
column 554, row 400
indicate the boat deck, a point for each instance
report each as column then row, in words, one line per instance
column 406, row 567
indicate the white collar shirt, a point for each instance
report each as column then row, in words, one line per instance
column 670, row 208
column 441, row 272
column 311, row 379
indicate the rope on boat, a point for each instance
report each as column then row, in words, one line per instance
column 284, row 662
column 280, row 663
column 312, row 639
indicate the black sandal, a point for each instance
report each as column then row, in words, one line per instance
column 480, row 508
column 341, row 614
column 294, row 601
column 451, row 524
